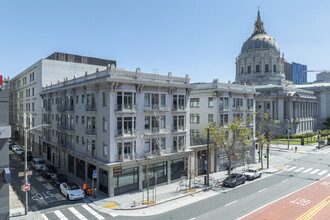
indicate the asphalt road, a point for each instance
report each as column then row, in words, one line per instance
column 230, row 204
column 245, row 199
column 44, row 197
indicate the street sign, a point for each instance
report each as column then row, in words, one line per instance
column 94, row 174
column 29, row 173
column 117, row 171
column 26, row 187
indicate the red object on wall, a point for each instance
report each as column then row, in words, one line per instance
column 1, row 80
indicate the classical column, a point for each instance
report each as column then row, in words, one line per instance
column 140, row 177
column 271, row 109
column 111, row 188
column 98, row 179
column 168, row 171
column 280, row 109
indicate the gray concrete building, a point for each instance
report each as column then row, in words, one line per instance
column 220, row 102
column 128, row 126
column 5, row 133
column 25, row 101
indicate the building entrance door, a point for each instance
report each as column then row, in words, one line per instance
column 201, row 156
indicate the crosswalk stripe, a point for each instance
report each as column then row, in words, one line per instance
column 292, row 168
column 309, row 169
column 323, row 172
column 60, row 215
column 98, row 216
column 76, row 213
column 315, row 171
column 299, row 169
column 44, row 217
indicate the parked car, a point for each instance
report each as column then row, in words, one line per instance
column 47, row 170
column 252, row 174
column 37, row 163
column 57, row 179
column 72, row 191
column 234, row 179
column 29, row 155
column 15, row 147
column 19, row 151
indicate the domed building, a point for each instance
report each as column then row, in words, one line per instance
column 260, row 61
column 260, row 64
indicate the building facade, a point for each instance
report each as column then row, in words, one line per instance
column 5, row 133
column 25, row 102
column 131, row 127
column 220, row 102
column 323, row 77
column 299, row 73
column 261, row 64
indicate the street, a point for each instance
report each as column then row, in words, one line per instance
column 300, row 170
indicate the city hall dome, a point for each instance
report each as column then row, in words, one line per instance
column 260, row 61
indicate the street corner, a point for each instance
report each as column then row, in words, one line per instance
column 110, row 205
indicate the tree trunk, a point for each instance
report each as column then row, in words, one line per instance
column 229, row 166
column 260, row 158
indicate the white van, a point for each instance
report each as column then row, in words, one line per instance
column 37, row 163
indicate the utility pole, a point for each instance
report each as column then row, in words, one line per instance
column 207, row 158
column 25, row 172
column 289, row 130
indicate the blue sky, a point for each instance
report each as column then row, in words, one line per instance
column 200, row 38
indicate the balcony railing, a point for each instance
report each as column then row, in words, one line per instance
column 224, row 108
column 124, row 132
column 125, row 108
column 156, row 108
column 178, row 128
column 91, row 131
column 90, row 107
column 178, row 108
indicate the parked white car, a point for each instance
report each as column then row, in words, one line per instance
column 19, row 151
column 37, row 163
column 15, row 147
column 252, row 174
column 72, row 191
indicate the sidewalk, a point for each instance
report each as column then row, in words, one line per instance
column 169, row 196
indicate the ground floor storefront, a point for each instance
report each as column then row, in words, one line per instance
column 117, row 178
column 218, row 160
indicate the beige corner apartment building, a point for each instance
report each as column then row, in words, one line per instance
column 129, row 126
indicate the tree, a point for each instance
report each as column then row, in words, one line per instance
column 265, row 134
column 327, row 123
column 233, row 138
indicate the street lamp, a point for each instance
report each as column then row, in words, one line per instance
column 25, row 163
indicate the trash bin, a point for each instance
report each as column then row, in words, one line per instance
column 89, row 191
column 6, row 175
column 302, row 142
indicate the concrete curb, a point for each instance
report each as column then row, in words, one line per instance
column 168, row 200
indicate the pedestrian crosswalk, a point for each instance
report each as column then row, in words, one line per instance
column 305, row 170
column 81, row 212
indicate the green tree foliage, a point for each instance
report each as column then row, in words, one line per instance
column 233, row 139
column 327, row 123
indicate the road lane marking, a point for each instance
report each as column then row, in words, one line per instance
column 60, row 215
column 262, row 190
column 76, row 213
column 192, row 219
column 292, row 168
column 285, row 180
column 44, row 217
column 278, row 199
column 231, row 203
column 113, row 214
column 315, row 171
column 309, row 169
column 313, row 211
column 323, row 172
column 299, row 169
column 98, row 216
